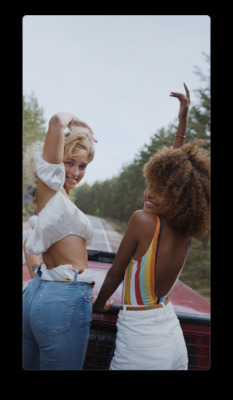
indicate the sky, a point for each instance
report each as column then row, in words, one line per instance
column 115, row 72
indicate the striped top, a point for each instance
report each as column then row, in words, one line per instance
column 139, row 280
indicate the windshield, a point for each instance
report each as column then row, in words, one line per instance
column 105, row 240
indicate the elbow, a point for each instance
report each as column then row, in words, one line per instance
column 56, row 121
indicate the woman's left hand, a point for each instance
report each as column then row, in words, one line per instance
column 184, row 102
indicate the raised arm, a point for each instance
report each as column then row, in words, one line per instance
column 183, row 116
column 54, row 142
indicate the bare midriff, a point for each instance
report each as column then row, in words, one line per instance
column 70, row 250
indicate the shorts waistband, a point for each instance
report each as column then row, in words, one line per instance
column 142, row 308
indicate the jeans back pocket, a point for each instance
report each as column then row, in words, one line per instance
column 55, row 312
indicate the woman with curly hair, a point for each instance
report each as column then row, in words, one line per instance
column 153, row 252
column 57, row 303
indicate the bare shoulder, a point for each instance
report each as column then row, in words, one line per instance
column 142, row 216
column 142, row 221
column 137, row 217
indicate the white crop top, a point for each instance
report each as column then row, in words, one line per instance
column 60, row 217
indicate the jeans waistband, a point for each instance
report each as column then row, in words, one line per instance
column 65, row 273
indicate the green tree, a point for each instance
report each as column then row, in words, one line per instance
column 120, row 196
column 33, row 130
column 33, row 120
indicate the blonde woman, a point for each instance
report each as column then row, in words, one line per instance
column 57, row 303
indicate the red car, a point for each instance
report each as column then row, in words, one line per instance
column 192, row 310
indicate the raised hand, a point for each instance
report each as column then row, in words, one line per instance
column 184, row 102
column 77, row 122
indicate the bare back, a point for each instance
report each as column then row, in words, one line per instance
column 172, row 251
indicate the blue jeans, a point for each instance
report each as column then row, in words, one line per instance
column 56, row 324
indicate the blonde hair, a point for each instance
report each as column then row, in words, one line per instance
column 80, row 137
column 77, row 136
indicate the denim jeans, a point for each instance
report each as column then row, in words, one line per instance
column 56, row 324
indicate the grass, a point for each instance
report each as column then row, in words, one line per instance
column 196, row 272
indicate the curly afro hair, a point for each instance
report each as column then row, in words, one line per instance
column 183, row 176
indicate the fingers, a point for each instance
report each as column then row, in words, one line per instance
column 187, row 92
column 181, row 96
column 108, row 305
column 94, row 139
column 78, row 122
column 175, row 94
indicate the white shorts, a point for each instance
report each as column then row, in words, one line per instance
column 149, row 340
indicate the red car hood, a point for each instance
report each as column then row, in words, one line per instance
column 184, row 299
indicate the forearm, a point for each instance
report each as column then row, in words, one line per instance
column 183, row 116
column 32, row 260
column 180, row 133
column 54, row 142
column 31, row 269
column 109, row 286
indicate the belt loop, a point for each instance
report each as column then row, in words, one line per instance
column 76, row 275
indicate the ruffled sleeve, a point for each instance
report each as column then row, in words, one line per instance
column 33, row 221
column 53, row 175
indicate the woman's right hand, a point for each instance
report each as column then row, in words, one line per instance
column 77, row 122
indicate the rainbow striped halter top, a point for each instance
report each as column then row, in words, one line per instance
column 139, row 279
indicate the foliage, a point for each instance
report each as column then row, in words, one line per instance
column 120, row 196
column 33, row 121
column 33, row 130
column 196, row 272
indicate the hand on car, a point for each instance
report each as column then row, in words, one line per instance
column 105, row 308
